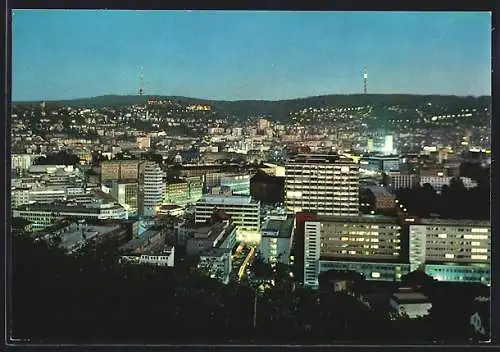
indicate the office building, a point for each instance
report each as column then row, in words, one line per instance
column 183, row 191
column 151, row 188
column 324, row 184
column 115, row 170
column 370, row 245
column 380, row 163
column 22, row 162
column 216, row 263
column 384, row 200
column 42, row 215
column 126, row 194
column 451, row 250
column 238, row 184
column 277, row 239
column 244, row 211
column 202, row 237
column 77, row 235
column 148, row 248
column 402, row 180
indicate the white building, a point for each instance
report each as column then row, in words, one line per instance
column 166, row 258
column 23, row 161
column 412, row 304
column 326, row 184
column 244, row 211
column 216, row 263
column 42, row 215
column 370, row 245
column 151, row 188
column 22, row 196
column 399, row 180
column 277, row 239
column 468, row 182
column 451, row 250
column 437, row 182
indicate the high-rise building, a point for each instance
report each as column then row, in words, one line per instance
column 151, row 188
column 324, row 184
column 371, row 245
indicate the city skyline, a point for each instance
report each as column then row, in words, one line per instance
column 56, row 55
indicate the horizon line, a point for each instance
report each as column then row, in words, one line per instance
column 242, row 100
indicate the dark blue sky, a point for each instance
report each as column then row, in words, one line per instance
column 248, row 55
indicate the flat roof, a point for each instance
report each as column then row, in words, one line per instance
column 237, row 200
column 143, row 238
column 409, row 297
column 378, row 190
column 453, row 222
column 358, row 219
column 71, row 238
column 64, row 207
column 215, row 252
column 320, row 159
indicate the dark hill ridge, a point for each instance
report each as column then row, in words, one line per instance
column 281, row 108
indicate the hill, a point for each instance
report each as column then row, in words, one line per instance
column 281, row 108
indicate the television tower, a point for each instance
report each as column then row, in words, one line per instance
column 365, row 80
column 141, row 82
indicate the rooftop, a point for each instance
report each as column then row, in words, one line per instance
column 452, row 222
column 64, row 207
column 140, row 241
column 74, row 234
column 371, row 219
column 236, row 200
column 215, row 252
column 320, row 159
column 409, row 297
column 378, row 191
column 282, row 228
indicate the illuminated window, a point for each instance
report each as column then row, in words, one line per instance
column 375, row 275
column 479, row 250
column 479, row 257
column 479, row 230
column 476, row 243
column 344, row 239
column 374, row 239
column 475, row 237
column 442, row 235
column 352, row 252
column 449, row 256
column 375, row 246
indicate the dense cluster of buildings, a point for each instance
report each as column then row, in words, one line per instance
column 273, row 186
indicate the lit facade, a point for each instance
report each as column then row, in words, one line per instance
column 276, row 239
column 244, row 212
column 216, row 263
column 151, row 189
column 126, row 193
column 402, row 180
column 451, row 250
column 325, row 184
column 45, row 214
column 370, row 245
column 239, row 184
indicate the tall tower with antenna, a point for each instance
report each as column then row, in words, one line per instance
column 141, row 82
column 365, row 80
